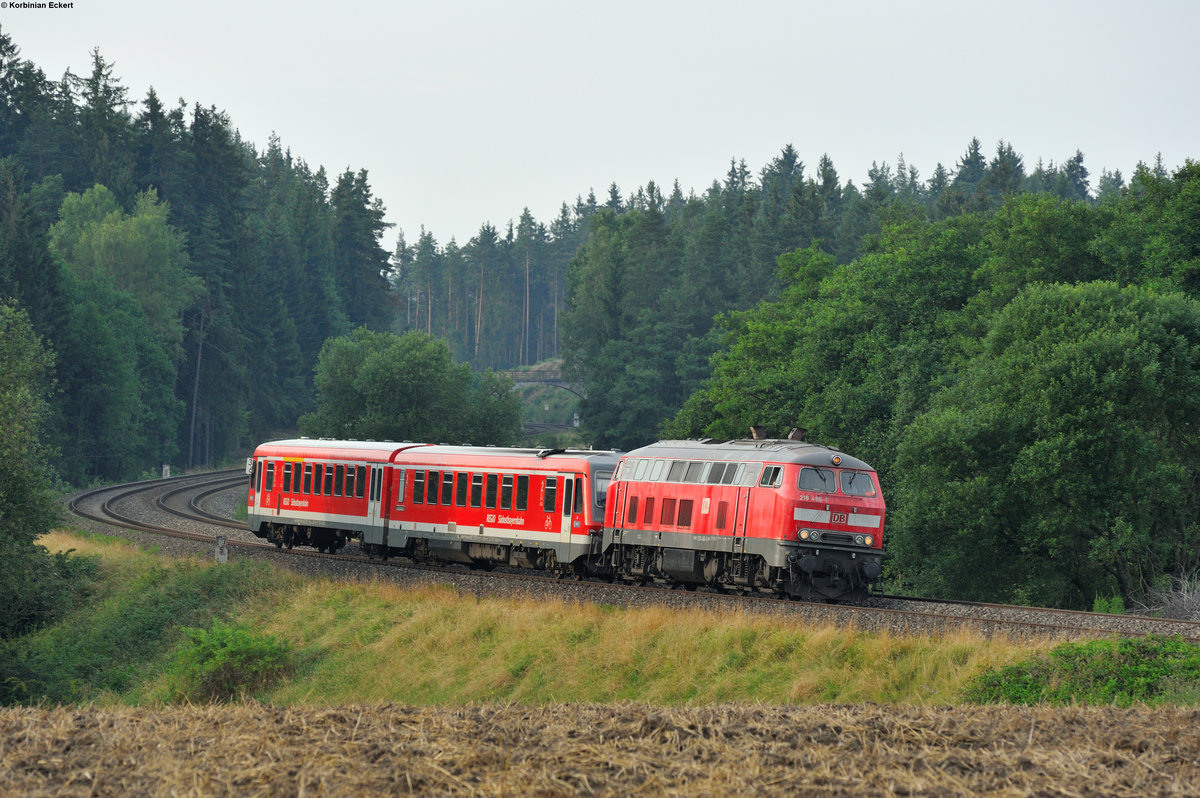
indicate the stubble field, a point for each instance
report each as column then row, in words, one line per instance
column 624, row 749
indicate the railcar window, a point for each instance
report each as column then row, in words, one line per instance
column 376, row 483
column 817, row 480
column 328, row 480
column 677, row 470
column 523, row 492
column 771, row 477
column 460, row 490
column 400, row 486
column 418, row 487
column 338, row 479
column 631, row 511
column 318, row 470
column 431, row 487
column 716, row 472
column 550, row 497
column 307, row 478
column 270, row 476
column 349, row 488
column 360, row 485
column 695, row 471
column 722, row 512
column 657, row 471
column 685, row 513
column 506, row 491
column 567, row 488
column 579, row 494
column 447, row 488
column 492, row 482
column 857, row 483
column 600, row 483
column 648, row 513
column 287, row 477
column 639, row 470
column 476, row 490
column 668, row 513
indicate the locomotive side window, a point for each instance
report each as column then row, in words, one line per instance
column 657, row 471
column 817, row 480
column 685, row 513
column 360, row 485
column 771, row 477
column 676, row 472
column 523, row 492
column 492, row 482
column 857, row 483
column 270, row 476
column 447, row 488
column 328, row 480
column 631, row 510
column 722, row 512
column 648, row 513
column 476, row 490
column 733, row 474
column 418, row 487
column 668, row 513
column 550, row 498
column 639, row 470
column 460, row 490
column 695, row 472
column 716, row 472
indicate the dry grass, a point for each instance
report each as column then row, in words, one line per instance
column 377, row 643
column 627, row 749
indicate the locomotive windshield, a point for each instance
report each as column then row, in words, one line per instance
column 857, row 483
column 817, row 480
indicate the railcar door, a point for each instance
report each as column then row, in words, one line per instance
column 374, row 495
column 572, row 499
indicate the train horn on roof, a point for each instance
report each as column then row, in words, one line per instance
column 758, row 433
column 797, row 434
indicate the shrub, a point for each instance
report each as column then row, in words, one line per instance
column 226, row 662
column 1152, row 669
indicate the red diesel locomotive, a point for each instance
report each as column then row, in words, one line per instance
column 779, row 516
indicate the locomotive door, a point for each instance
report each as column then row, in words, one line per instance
column 741, row 514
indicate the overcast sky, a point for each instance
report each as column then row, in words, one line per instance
column 468, row 112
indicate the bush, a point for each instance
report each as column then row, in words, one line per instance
column 1113, row 606
column 226, row 662
column 1153, row 669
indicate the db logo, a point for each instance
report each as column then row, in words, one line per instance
column 840, row 518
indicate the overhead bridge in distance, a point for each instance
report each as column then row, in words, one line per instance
column 554, row 378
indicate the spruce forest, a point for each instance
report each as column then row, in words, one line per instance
column 1015, row 346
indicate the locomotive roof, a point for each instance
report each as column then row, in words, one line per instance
column 769, row 450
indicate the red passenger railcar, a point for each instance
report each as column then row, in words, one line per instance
column 486, row 506
column 318, row 493
column 782, row 516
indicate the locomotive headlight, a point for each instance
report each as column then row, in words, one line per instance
column 836, row 459
column 869, row 540
column 803, row 534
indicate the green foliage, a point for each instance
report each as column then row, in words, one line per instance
column 381, row 386
column 1152, row 670
column 1113, row 605
column 38, row 588
column 225, row 662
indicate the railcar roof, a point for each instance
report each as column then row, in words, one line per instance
column 443, row 452
column 756, row 451
column 380, row 451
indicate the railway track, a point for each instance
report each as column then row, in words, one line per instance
column 180, row 503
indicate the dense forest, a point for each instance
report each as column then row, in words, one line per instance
column 1015, row 349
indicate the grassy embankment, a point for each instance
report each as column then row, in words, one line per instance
column 374, row 642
